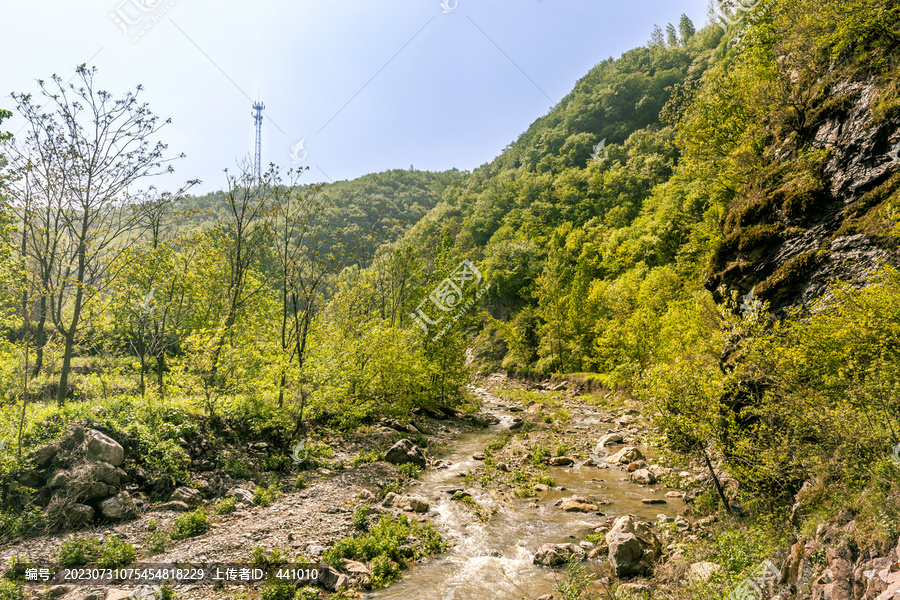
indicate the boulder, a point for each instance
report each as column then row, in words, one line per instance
column 609, row 439
column 561, row 461
column 43, row 456
column 626, row 455
column 415, row 504
column 330, row 579
column 79, row 515
column 119, row 507
column 189, row 496
column 173, row 505
column 241, row 495
column 404, row 452
column 554, row 555
column 102, row 448
column 644, row 477
column 578, row 504
column 633, row 547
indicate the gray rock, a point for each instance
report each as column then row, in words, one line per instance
column 608, row 440
column 315, row 550
column 561, row 461
column 417, row 505
column 243, row 496
column 57, row 591
column 633, row 547
column 102, row 448
column 554, row 555
column 626, row 455
column 59, row 479
column 119, row 507
column 404, row 452
column 189, row 496
column 43, row 456
column 330, row 579
column 79, row 515
column 643, row 476
column 702, row 571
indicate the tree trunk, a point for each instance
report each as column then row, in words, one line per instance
column 160, row 367
column 66, row 367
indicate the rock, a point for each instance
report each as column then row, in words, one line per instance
column 578, row 504
column 59, row 479
column 633, row 547
column 102, row 448
column 30, row 478
column 516, row 424
column 682, row 524
column 702, row 571
column 355, row 568
column 173, row 505
column 203, row 486
column 189, row 496
column 315, row 550
column 479, row 456
column 626, row 455
column 417, row 505
column 643, row 476
column 389, row 499
column 634, row 466
column 674, row 494
column 553, row 555
column 241, row 495
column 546, row 597
column 502, row 466
column 57, row 590
column 330, row 579
column 561, row 461
column 114, row 594
column 609, row 439
column 653, row 501
column 404, row 452
column 43, row 456
column 79, row 515
column 119, row 507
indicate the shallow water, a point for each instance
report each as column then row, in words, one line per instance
column 494, row 560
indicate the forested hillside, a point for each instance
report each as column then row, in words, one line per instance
column 707, row 225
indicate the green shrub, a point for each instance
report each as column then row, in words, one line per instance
column 409, row 470
column 115, row 553
column 151, row 525
column 225, row 506
column 360, row 518
column 366, row 457
column 156, row 544
column 266, row 495
column 10, row 590
column 539, row 454
column 277, row 590
column 384, row 571
column 78, row 552
column 309, row 593
column 260, row 557
column 300, row 482
column 16, row 567
column 189, row 525
column 238, row 469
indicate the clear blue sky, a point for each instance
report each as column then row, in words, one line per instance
column 367, row 85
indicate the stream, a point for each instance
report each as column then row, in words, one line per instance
column 494, row 560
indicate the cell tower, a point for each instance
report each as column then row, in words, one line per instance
column 258, row 107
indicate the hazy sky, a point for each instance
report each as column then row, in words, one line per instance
column 365, row 85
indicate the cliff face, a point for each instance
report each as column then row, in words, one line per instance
column 822, row 213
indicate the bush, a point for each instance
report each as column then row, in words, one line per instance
column 260, row 557
column 281, row 590
column 360, row 518
column 10, row 590
column 384, row 571
column 367, row 457
column 225, row 506
column 409, row 470
column 156, row 543
column 300, row 482
column 264, row 496
column 16, row 567
column 78, row 552
column 115, row 553
column 189, row 525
